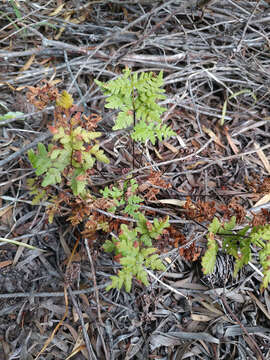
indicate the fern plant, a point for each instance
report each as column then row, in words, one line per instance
column 238, row 244
column 71, row 154
column 133, row 249
column 125, row 195
column 136, row 96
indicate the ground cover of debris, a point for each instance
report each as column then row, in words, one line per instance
column 218, row 163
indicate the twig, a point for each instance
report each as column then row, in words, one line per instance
column 94, row 280
column 17, row 154
column 89, row 348
column 163, row 284
column 51, row 294
column 246, row 26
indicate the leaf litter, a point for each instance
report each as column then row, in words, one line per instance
column 207, row 53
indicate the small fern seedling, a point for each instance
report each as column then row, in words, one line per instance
column 133, row 249
column 72, row 153
column 136, row 96
column 238, row 244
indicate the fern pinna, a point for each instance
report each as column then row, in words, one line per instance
column 238, row 244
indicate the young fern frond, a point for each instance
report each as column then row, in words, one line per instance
column 136, row 96
column 134, row 250
column 117, row 194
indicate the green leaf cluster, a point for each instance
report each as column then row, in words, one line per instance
column 238, row 244
column 49, row 166
column 52, row 162
column 117, row 194
column 134, row 248
column 134, row 94
column 71, row 154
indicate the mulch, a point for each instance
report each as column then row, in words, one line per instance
column 211, row 53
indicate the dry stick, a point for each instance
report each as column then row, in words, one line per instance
column 20, row 19
column 247, row 25
column 49, row 339
column 118, row 217
column 141, row 58
column 41, row 138
column 187, row 157
column 11, row 181
column 96, row 294
column 89, row 348
column 159, row 164
column 72, row 76
column 163, row 284
column 144, row 37
column 197, row 152
column 107, row 356
column 94, row 280
column 50, row 294
column 242, row 327
column 41, row 50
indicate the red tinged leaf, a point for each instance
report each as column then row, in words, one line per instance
column 79, row 137
column 149, row 225
column 53, row 129
column 78, row 156
column 118, row 257
column 81, row 177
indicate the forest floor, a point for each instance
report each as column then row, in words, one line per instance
column 211, row 53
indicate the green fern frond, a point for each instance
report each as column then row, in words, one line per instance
column 209, row 258
column 138, row 95
column 136, row 252
column 118, row 196
column 51, row 163
column 238, row 244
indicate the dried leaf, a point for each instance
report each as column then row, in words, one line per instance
column 230, row 141
column 5, row 263
column 176, row 202
column 213, row 136
column 172, row 148
column 27, row 65
column 262, row 157
column 264, row 200
column 57, row 10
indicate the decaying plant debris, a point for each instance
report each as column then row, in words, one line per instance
column 208, row 51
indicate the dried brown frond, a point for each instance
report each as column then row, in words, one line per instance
column 264, row 188
column 155, row 179
column 41, row 96
column 237, row 210
column 200, row 210
column 187, row 249
column 262, row 218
